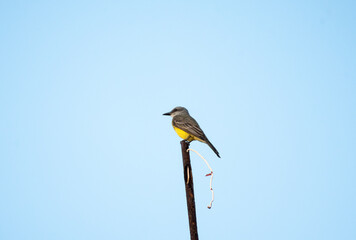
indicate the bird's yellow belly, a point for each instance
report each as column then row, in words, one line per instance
column 185, row 135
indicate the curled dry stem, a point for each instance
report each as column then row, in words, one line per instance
column 211, row 174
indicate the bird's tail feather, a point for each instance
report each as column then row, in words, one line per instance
column 212, row 147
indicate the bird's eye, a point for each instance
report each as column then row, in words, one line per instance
column 174, row 110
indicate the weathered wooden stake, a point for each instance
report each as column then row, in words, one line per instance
column 189, row 190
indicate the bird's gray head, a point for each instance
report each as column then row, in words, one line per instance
column 177, row 111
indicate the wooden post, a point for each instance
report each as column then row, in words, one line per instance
column 189, row 190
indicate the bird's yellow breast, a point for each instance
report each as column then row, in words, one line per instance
column 185, row 135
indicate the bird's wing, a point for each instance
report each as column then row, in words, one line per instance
column 189, row 125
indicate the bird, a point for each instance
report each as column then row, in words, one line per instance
column 187, row 128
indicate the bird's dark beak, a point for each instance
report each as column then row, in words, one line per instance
column 167, row 114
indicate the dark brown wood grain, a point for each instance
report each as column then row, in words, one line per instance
column 189, row 190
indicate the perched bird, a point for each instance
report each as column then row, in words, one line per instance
column 187, row 128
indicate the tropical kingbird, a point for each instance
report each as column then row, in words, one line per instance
column 187, row 128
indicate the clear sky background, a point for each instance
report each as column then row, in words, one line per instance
column 85, row 152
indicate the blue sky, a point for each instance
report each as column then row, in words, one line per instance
column 86, row 153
